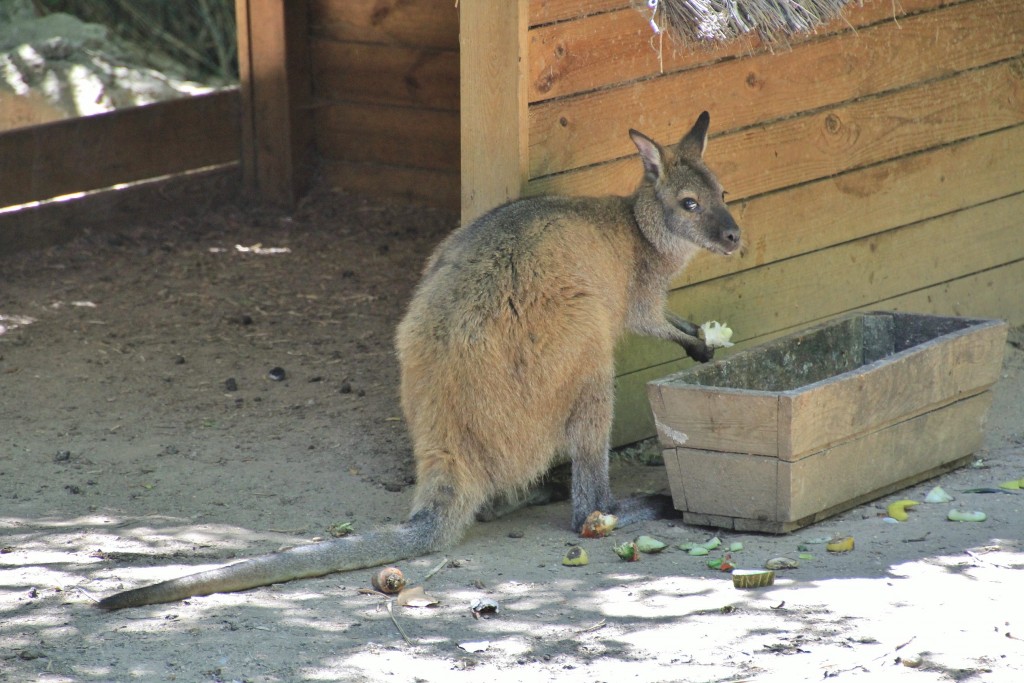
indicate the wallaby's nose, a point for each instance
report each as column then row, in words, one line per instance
column 730, row 236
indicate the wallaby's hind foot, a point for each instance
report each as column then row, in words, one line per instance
column 644, row 508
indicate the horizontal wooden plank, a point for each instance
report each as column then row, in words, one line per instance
column 89, row 153
column 50, row 223
column 725, row 484
column 412, row 23
column 931, row 375
column 869, row 200
column 394, row 136
column 741, row 422
column 825, row 143
column 549, row 11
column 616, row 47
column 872, row 465
column 434, row 188
column 385, row 74
column 579, row 131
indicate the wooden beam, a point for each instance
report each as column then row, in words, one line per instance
column 93, row 152
column 274, row 70
column 492, row 37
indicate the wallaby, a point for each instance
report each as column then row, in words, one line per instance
column 506, row 357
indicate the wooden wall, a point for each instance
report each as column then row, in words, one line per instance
column 385, row 79
column 878, row 164
column 875, row 164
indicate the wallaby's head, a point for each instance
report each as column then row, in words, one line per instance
column 690, row 198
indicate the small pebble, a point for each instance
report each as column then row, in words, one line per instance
column 62, row 456
column 230, row 384
column 277, row 374
column 179, row 360
column 515, row 534
column 345, row 388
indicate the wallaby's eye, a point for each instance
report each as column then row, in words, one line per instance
column 690, row 204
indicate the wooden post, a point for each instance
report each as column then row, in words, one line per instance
column 493, row 102
column 273, row 61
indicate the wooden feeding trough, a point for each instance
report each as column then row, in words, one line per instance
column 795, row 430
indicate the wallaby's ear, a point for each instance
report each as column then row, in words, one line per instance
column 650, row 153
column 693, row 143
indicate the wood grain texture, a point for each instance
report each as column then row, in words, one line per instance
column 898, row 454
column 617, row 46
column 905, row 385
column 550, row 11
column 493, row 104
column 722, row 420
column 367, row 73
column 89, row 153
column 725, row 484
column 575, row 132
column 395, row 136
column 408, row 23
column 436, row 188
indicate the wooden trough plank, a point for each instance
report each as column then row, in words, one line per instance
column 993, row 293
column 912, row 384
column 399, row 136
column 410, row 23
column 89, row 153
column 433, row 187
column 385, row 74
column 727, row 415
column 574, row 132
column 897, row 455
column 724, row 484
column 825, row 143
column 616, row 47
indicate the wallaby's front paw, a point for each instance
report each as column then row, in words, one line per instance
column 701, row 352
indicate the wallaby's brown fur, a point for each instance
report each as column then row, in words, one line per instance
column 507, row 361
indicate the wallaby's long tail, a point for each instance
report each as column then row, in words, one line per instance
column 419, row 536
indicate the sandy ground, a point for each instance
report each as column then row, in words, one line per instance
column 141, row 438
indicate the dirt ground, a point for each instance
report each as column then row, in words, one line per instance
column 141, row 438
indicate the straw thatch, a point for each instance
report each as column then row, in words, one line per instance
column 707, row 21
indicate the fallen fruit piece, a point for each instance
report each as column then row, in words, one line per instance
column 752, row 578
column 698, row 550
column 781, row 563
column 416, row 597
column 713, row 543
column 735, row 547
column 716, row 335
column 646, row 544
column 938, row 495
column 388, row 580
column 598, row 525
column 966, row 516
column 805, row 556
column 715, row 563
column 988, row 489
column 1012, row 485
column 898, row 509
column 840, row 545
column 576, row 557
column 628, row 551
